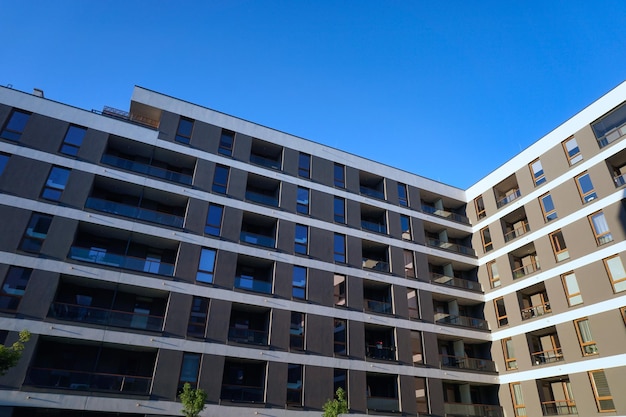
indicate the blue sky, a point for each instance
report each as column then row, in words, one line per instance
column 445, row 89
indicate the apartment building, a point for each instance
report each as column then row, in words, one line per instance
column 171, row 243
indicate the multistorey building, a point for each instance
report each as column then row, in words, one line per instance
column 173, row 243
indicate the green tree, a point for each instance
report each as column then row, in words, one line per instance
column 193, row 400
column 9, row 356
column 336, row 406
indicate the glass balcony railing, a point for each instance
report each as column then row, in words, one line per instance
column 373, row 227
column 106, row 317
column 377, row 306
column 88, row 381
column 475, row 323
column 507, row 199
column 242, row 393
column 268, row 200
column 381, row 351
column 477, row 410
column 557, row 408
column 146, row 169
column 251, row 284
column 138, row 213
column 535, row 311
column 255, row 337
column 455, row 282
column 385, row 404
column 461, row 362
column 444, row 214
column 371, row 192
column 612, row 135
column 547, row 356
column 257, row 239
column 526, row 270
column 523, row 229
column 265, row 161
column 436, row 243
column 620, row 180
column 121, row 261
column 375, row 264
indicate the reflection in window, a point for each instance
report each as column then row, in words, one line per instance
column 339, row 291
column 301, row 241
column 13, row 287
column 4, row 158
column 572, row 151
column 617, row 274
column 227, row 140
column 296, row 331
column 339, row 209
column 587, row 344
column 15, row 126
column 494, row 276
column 536, row 169
column 340, row 176
column 510, row 359
column 304, row 165
column 403, row 198
column 600, row 228
column 36, row 232
column 214, row 220
column 183, row 133
column 299, row 282
column 189, row 370
column 294, row 384
column 479, row 205
column 585, row 188
column 302, row 205
column 340, row 338
column 339, row 248
column 572, row 291
column 73, row 140
column 55, row 184
column 198, row 316
column 558, row 246
column 547, row 207
column 220, row 179
column 601, row 391
column 206, row 266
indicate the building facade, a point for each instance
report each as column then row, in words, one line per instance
column 173, row 243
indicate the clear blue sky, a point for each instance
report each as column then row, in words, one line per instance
column 447, row 90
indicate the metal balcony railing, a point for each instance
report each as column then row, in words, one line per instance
column 556, row 408
column 146, row 169
column 462, row 362
column 257, row 239
column 133, row 212
column 547, row 356
column 507, row 199
column 475, row 323
column 256, row 337
column 478, row 410
column 517, row 232
column 455, row 282
column 526, row 270
column 535, row 311
column 612, row 136
column 121, row 261
column 450, row 246
column 445, row 214
column 106, row 317
column 88, row 381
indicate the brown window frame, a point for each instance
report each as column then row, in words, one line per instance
column 569, row 295
column 503, row 320
column 519, row 409
column 608, row 271
column 559, row 248
column 543, row 209
column 487, row 245
column 480, row 213
column 596, row 395
column 600, row 237
column 570, row 158
column 492, row 280
column 623, row 311
column 538, row 179
column 510, row 363
column 584, row 196
column 581, row 342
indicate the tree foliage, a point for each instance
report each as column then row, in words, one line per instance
column 9, row 356
column 193, row 400
column 336, row 406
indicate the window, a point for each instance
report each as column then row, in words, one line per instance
column 480, row 207
column 220, row 179
column 494, row 276
column 296, row 331
column 15, row 126
column 623, row 311
column 587, row 344
column 227, row 139
column 403, row 198
column 4, row 158
column 13, row 287
column 36, row 232
column 572, row 291
column 510, row 359
column 601, row 391
column 340, row 176
column 537, row 172
column 485, row 236
column 617, row 274
column 55, row 184
column 572, row 151
column 518, row 399
column 558, row 246
column 183, row 133
column 339, row 290
column 339, row 248
column 301, row 241
column 409, row 264
column 600, row 228
column 294, row 384
column 585, row 188
column 405, row 225
column 302, row 206
column 547, row 207
column 299, row 282
column 198, row 316
column 189, row 370
column 213, row 224
column 341, row 337
column 73, row 140
column 339, row 209
column 501, row 316
column 304, row 165
column 206, row 266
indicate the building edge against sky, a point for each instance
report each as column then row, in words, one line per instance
column 172, row 243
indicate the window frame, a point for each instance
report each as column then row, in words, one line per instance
column 217, row 187
column 35, row 237
column 479, row 206
column 340, row 256
column 487, row 245
column 299, row 387
column 10, row 133
column 408, row 233
column 196, row 312
column 510, row 362
column 610, row 273
column 493, row 280
column 340, row 182
column 193, row 383
column 409, row 255
column 339, row 297
column 572, row 159
column 202, row 272
column 14, row 276
column 297, row 286
column 502, row 319
column 304, row 170
column 182, row 137
column 559, row 248
column 224, row 147
column 539, row 176
column 403, row 195
column 584, row 344
column 336, row 343
column 596, row 394
column 53, row 191
column 600, row 238
column 519, row 409
column 295, row 336
column 587, row 196
column 568, row 295
column 214, row 229
column 547, row 215
column 341, row 216
column 303, row 207
column 72, row 146
column 4, row 160
column 301, row 247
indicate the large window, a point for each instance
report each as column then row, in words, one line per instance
column 220, row 179
column 196, row 325
column 501, row 315
column 213, row 224
column 485, row 236
column 301, row 240
column 405, row 226
column 340, row 176
column 585, row 188
column 299, row 282
column 409, row 264
column 403, row 198
column 227, row 140
column 206, row 266
column 610, row 127
column 302, row 200
column 583, row 330
column 55, row 184
column 339, row 291
column 183, row 133
column 341, row 337
column 536, row 169
column 600, row 228
column 294, row 384
column 339, row 248
column 296, row 331
column 547, row 207
column 617, row 274
column 304, row 165
column 572, row 291
column 13, row 287
column 494, row 276
column 601, row 391
column 572, row 152
column 15, row 126
column 518, row 399
column 339, row 210
column 73, row 140
column 558, row 246
column 36, row 232
column 189, row 370
column 510, row 360
column 480, row 207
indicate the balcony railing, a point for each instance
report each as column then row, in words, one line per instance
column 556, row 408
column 612, row 136
column 132, row 212
column 526, row 270
column 256, row 337
column 242, row 393
column 88, row 381
column 620, row 180
column 383, row 404
column 373, row 226
column 475, row 323
column 507, row 199
column 547, row 356
column 257, row 239
column 378, row 306
column 461, row 362
column 371, row 192
column 264, row 161
column 523, row 229
column 535, row 311
column 121, row 261
column 146, row 169
column 455, row 282
column 450, row 246
column 106, row 317
column 375, row 264
column 251, row 284
column 478, row 410
column 128, row 117
column 381, row 351
column 268, row 200
column 445, row 214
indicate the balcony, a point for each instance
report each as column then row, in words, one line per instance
column 383, row 404
column 547, row 356
column 506, row 191
column 478, row 410
column 611, row 127
column 266, row 154
column 243, row 381
column 254, row 274
column 617, row 167
column 375, row 256
column 513, row 194
column 533, row 301
column 544, row 346
column 455, row 282
column 123, row 210
column 141, row 118
column 558, row 408
column 258, row 230
column 462, row 362
column 262, row 190
column 476, row 323
column 249, row 325
column 373, row 219
column 101, row 257
column 450, row 246
column 526, row 269
column 515, row 224
column 524, row 261
column 426, row 208
column 371, row 185
column 382, row 393
column 380, row 342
